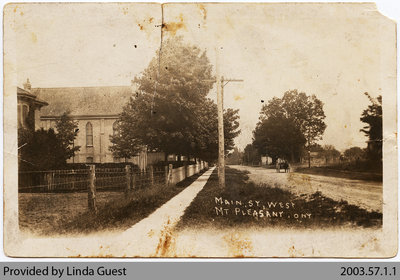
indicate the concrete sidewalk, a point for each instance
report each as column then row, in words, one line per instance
column 151, row 237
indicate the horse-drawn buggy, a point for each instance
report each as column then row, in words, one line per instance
column 282, row 164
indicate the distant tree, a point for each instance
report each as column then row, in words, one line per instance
column 316, row 148
column 354, row 153
column 170, row 112
column 251, row 155
column 41, row 150
column 330, row 153
column 305, row 112
column 372, row 116
column 67, row 130
column 279, row 137
column 235, row 157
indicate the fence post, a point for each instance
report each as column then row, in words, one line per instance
column 128, row 178
column 151, row 175
column 142, row 178
column 73, row 179
column 170, row 167
column 133, row 179
column 49, row 180
column 92, row 190
column 47, row 177
column 166, row 174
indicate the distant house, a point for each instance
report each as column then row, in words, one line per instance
column 319, row 159
column 266, row 160
column 28, row 103
column 96, row 109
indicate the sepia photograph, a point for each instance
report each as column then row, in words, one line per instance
column 199, row 130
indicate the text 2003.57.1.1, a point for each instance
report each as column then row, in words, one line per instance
column 368, row 270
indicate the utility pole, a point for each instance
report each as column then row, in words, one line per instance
column 221, row 146
column 221, row 83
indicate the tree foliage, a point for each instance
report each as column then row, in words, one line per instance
column 279, row 137
column 67, row 130
column 354, row 153
column 329, row 152
column 40, row 150
column 235, row 157
column 251, row 155
column 170, row 111
column 305, row 111
column 47, row 149
column 372, row 116
column 289, row 123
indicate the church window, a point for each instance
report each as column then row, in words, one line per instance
column 89, row 134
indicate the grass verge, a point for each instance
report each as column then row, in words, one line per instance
column 243, row 203
column 119, row 212
column 355, row 175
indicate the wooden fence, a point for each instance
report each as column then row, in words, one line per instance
column 103, row 179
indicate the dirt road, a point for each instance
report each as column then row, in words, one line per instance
column 365, row 194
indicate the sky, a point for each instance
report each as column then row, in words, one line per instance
column 332, row 51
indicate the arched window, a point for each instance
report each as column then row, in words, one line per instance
column 89, row 134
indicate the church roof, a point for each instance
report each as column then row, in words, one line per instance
column 107, row 100
column 26, row 94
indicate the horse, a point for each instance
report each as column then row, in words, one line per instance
column 283, row 165
column 286, row 167
column 278, row 167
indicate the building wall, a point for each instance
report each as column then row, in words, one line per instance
column 99, row 151
column 26, row 114
column 102, row 130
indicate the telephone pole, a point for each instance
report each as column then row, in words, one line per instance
column 221, row 83
column 221, row 142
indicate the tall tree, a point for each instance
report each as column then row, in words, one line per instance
column 170, row 111
column 372, row 116
column 305, row 111
column 67, row 130
column 279, row 137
